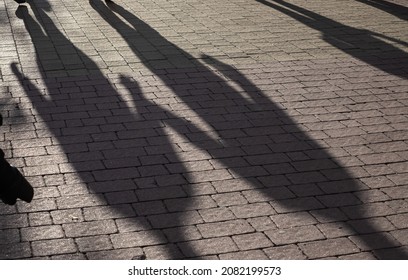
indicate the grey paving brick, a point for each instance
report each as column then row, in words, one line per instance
column 182, row 234
column 190, row 203
column 293, row 219
column 398, row 205
column 380, row 158
column 392, row 253
column 53, row 247
column 397, row 192
column 371, row 225
column 358, row 256
column 274, row 135
column 336, row 229
column 67, row 216
column 210, row 246
column 149, row 208
column 245, row 255
column 264, row 194
column 252, row 210
column 160, row 193
column 369, row 210
column 229, row 199
column 37, row 205
column 294, row 235
column 306, row 177
column 262, row 223
column 199, row 189
column 8, row 236
column 226, row 228
column 162, row 252
column 400, row 220
column 251, row 241
column 137, row 239
column 105, row 212
column 72, row 256
column 232, row 185
column 375, row 241
column 326, row 248
column 175, row 219
column 13, row 221
column 377, row 182
column 15, row 251
column 120, row 197
column 42, row 232
column 368, row 196
column 132, row 224
column 78, row 201
column 209, row 176
column 116, row 254
column 216, row 214
column 285, row 252
column 89, row 228
column 305, row 190
column 338, row 200
column 296, row 204
column 94, row 243
column 401, row 236
column 329, row 215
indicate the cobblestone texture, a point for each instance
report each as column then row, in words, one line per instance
column 262, row 129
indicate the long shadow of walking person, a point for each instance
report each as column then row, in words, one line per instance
column 314, row 182
column 115, row 148
column 389, row 7
column 362, row 44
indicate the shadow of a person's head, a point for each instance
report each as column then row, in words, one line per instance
column 233, row 137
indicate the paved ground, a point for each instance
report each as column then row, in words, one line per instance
column 239, row 129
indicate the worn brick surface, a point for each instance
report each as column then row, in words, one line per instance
column 210, row 246
column 41, row 232
column 285, row 252
column 89, row 228
column 137, row 239
column 53, row 247
column 252, row 241
column 372, row 241
column 294, row 235
column 94, row 243
column 326, row 248
column 245, row 255
column 206, row 130
column 227, row 228
column 117, row 254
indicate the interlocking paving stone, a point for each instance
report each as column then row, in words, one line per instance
column 285, row 252
column 325, row 248
column 226, row 130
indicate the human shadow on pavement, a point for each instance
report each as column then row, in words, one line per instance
column 389, row 7
column 240, row 116
column 130, row 153
column 365, row 45
column 105, row 139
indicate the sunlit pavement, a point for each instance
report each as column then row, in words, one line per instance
column 186, row 129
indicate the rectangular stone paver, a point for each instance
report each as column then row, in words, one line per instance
column 213, row 130
column 226, row 228
column 53, row 247
column 326, row 248
column 210, row 246
column 294, row 235
column 89, row 228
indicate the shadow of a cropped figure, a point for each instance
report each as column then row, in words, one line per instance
column 243, row 116
column 367, row 46
column 115, row 146
column 389, row 7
